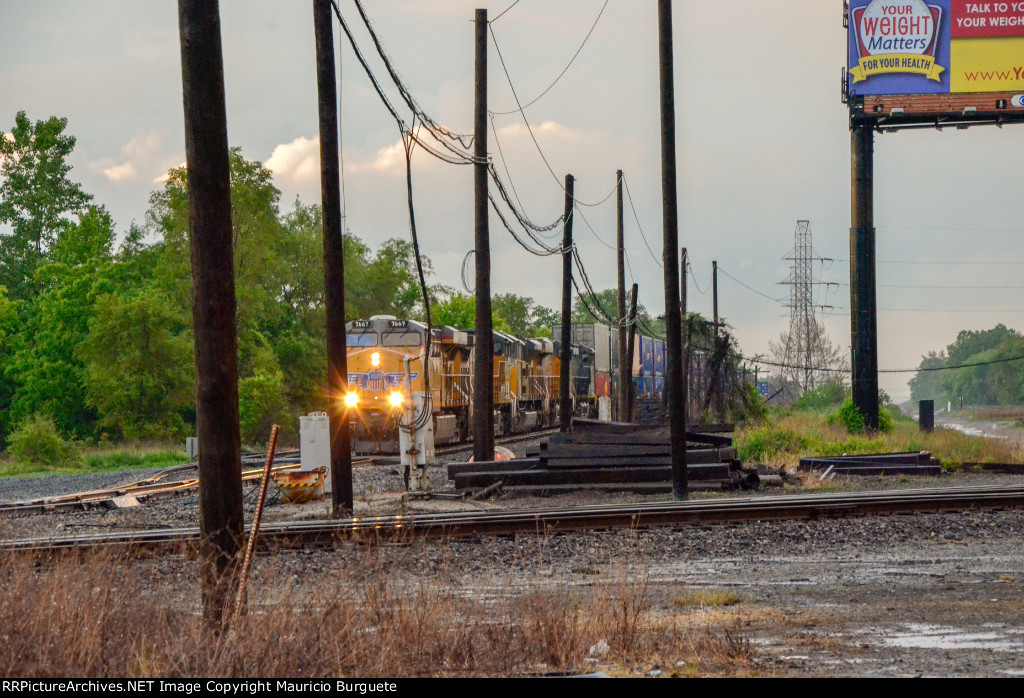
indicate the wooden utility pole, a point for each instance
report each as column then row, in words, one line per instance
column 622, row 408
column 670, row 213
column 629, row 355
column 714, row 295
column 565, row 398
column 863, row 311
column 716, row 386
column 213, row 302
column 334, row 263
column 687, row 332
column 483, row 339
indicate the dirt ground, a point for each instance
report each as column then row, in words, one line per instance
column 921, row 595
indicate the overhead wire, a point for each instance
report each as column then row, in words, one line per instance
column 502, row 13
column 693, row 275
column 529, row 128
column 749, row 288
column 629, row 196
column 564, row 70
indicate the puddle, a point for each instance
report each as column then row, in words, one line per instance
column 931, row 637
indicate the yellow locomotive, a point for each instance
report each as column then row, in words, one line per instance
column 526, row 381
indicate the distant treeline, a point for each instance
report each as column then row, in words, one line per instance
column 991, row 375
column 97, row 335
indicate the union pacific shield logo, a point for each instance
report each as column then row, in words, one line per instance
column 896, row 37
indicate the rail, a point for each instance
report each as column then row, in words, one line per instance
column 555, row 520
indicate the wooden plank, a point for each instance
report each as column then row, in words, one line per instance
column 492, row 466
column 706, row 456
column 583, row 477
column 1003, row 468
column 656, row 436
column 643, row 488
column 911, row 458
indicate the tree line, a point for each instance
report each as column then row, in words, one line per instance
column 989, row 373
column 96, row 335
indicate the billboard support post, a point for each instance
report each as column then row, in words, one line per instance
column 863, row 311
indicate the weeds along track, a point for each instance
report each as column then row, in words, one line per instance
column 556, row 519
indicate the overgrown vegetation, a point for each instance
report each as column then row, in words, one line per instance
column 97, row 459
column 71, row 617
column 36, row 443
column 789, row 434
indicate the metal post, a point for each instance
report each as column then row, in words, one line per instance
column 673, row 322
column 863, row 313
column 213, row 302
column 483, row 342
column 565, row 399
column 926, row 416
column 334, row 263
column 623, row 401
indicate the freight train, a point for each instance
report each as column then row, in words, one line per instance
column 386, row 362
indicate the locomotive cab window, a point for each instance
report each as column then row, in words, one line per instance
column 364, row 339
column 403, row 339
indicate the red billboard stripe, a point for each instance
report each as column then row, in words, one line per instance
column 980, row 20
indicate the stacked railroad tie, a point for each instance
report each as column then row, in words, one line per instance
column 912, row 463
column 609, row 456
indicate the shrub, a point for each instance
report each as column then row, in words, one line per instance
column 827, row 395
column 36, row 441
column 849, row 416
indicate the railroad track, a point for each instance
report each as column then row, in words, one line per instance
column 554, row 520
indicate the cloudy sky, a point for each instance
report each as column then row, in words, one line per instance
column 762, row 143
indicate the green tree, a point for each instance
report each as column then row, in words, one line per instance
column 138, row 365
column 927, row 384
column 37, row 200
column 522, row 315
column 608, row 301
column 50, row 377
column 10, row 338
column 458, row 310
column 970, row 343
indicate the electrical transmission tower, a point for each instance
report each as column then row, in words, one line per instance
column 806, row 346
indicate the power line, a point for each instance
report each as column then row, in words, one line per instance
column 500, row 14
column 640, row 227
column 693, row 276
column 958, row 229
column 564, row 70
column 526, row 121
column 749, row 288
column 935, row 262
column 948, row 288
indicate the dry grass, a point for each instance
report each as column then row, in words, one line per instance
column 107, row 616
column 709, row 598
column 1007, row 412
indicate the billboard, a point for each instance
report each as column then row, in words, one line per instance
column 935, row 47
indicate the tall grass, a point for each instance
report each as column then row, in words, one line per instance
column 790, row 435
column 106, row 615
column 101, row 459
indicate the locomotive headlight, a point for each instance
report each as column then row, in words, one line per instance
column 375, row 359
column 396, row 398
column 352, row 399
